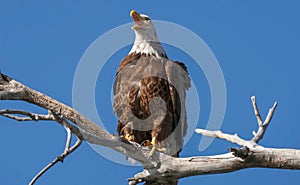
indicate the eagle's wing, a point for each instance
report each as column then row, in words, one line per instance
column 179, row 80
column 125, row 85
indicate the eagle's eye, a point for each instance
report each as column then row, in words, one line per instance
column 147, row 18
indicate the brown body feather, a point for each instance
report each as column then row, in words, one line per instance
column 149, row 100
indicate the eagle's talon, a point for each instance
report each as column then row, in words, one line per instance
column 124, row 138
column 154, row 147
column 128, row 137
column 151, row 153
column 163, row 150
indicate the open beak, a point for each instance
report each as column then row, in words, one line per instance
column 136, row 16
column 137, row 19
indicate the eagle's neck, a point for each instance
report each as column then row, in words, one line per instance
column 147, row 43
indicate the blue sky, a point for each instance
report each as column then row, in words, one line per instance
column 256, row 44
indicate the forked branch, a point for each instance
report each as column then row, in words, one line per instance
column 21, row 115
column 262, row 126
column 68, row 150
column 257, row 136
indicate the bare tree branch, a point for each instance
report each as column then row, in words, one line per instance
column 61, row 157
column 161, row 168
column 37, row 117
column 27, row 116
column 231, row 138
column 83, row 128
column 256, row 111
column 262, row 126
column 176, row 168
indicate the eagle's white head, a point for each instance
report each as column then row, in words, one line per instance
column 146, row 41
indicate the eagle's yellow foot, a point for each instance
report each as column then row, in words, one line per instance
column 128, row 137
column 161, row 150
column 154, row 147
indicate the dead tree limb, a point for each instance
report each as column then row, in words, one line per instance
column 68, row 150
column 161, row 168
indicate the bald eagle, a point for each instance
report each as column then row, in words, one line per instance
column 150, row 92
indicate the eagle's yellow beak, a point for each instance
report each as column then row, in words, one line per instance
column 136, row 16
